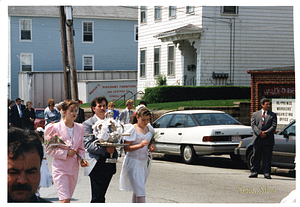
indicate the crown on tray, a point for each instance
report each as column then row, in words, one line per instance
column 109, row 130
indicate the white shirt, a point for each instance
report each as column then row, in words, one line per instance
column 70, row 130
column 262, row 112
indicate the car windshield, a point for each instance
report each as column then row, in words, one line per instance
column 206, row 119
column 39, row 114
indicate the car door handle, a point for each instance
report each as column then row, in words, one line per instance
column 162, row 133
column 179, row 133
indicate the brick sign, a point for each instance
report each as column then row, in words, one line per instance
column 278, row 90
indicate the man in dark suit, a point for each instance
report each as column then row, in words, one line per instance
column 99, row 171
column 16, row 114
column 263, row 123
column 80, row 113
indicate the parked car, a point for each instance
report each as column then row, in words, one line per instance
column 40, row 119
column 283, row 150
column 192, row 133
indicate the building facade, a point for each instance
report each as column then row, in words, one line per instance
column 212, row 45
column 105, row 38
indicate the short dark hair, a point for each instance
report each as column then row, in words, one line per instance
column 98, row 100
column 143, row 102
column 21, row 141
column 264, row 100
column 18, row 99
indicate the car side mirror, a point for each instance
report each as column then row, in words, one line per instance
column 285, row 135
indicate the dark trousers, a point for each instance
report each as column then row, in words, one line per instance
column 99, row 186
column 264, row 153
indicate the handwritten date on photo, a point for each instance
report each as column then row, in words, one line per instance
column 262, row 189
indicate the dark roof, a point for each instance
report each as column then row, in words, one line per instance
column 102, row 12
column 277, row 69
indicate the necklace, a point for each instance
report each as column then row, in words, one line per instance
column 145, row 130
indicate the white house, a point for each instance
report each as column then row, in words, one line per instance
column 212, row 45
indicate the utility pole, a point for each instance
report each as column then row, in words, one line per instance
column 64, row 50
column 71, row 52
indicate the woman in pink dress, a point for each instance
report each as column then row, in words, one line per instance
column 65, row 164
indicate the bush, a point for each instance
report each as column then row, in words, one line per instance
column 161, row 94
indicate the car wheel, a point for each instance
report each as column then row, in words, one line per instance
column 188, row 154
column 250, row 159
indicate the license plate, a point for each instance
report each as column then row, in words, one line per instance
column 236, row 138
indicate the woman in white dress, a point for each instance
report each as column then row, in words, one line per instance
column 137, row 162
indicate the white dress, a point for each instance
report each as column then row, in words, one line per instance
column 135, row 169
column 46, row 177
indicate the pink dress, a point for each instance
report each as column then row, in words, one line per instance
column 65, row 168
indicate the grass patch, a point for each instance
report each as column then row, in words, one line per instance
column 176, row 105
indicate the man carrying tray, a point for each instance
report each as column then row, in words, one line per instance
column 99, row 171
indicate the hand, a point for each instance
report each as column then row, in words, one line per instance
column 110, row 150
column 84, row 163
column 32, row 120
column 71, row 152
column 263, row 134
column 144, row 143
column 152, row 148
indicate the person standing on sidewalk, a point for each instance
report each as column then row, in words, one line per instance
column 263, row 123
column 126, row 115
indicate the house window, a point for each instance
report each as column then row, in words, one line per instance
column 143, row 14
column 172, row 11
column 171, row 62
column 229, row 10
column 143, row 63
column 190, row 9
column 87, row 31
column 136, row 33
column 157, row 15
column 156, row 60
column 88, row 62
column 25, row 29
column 26, row 62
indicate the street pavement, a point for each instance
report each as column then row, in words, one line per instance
column 213, row 179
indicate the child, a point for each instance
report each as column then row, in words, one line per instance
column 136, row 168
column 65, row 165
column 46, row 177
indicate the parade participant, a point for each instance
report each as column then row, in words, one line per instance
column 99, row 171
column 80, row 113
column 24, row 158
column 16, row 114
column 65, row 165
column 136, row 165
column 111, row 106
column 52, row 115
column 28, row 116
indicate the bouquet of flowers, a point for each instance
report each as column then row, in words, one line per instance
column 54, row 141
column 152, row 141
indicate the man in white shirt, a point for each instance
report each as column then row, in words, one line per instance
column 126, row 114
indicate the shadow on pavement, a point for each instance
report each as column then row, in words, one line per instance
column 221, row 161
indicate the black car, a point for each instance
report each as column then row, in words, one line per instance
column 283, row 150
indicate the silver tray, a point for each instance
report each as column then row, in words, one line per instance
column 108, row 144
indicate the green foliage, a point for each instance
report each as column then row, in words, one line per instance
column 161, row 80
column 161, row 94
